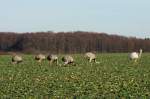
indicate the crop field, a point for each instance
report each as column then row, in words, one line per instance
column 114, row 77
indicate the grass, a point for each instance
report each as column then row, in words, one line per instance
column 114, row 77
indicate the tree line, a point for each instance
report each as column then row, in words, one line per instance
column 70, row 42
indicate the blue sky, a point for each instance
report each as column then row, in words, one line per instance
column 123, row 17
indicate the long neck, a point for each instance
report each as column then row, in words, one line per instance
column 140, row 53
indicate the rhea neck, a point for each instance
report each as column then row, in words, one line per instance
column 140, row 53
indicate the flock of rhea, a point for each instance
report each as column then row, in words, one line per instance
column 67, row 59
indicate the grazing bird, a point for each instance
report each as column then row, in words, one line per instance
column 52, row 58
column 90, row 56
column 40, row 57
column 134, row 55
column 16, row 59
column 68, row 60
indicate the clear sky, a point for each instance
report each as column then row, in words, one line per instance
column 123, row 17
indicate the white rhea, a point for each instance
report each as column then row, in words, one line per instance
column 135, row 55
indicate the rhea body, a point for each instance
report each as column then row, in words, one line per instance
column 16, row 59
column 90, row 56
column 135, row 55
column 68, row 59
column 52, row 58
column 40, row 58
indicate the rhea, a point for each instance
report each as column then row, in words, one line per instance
column 52, row 58
column 40, row 57
column 68, row 60
column 16, row 59
column 135, row 55
column 90, row 56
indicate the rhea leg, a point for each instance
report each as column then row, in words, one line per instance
column 50, row 62
column 90, row 60
column 56, row 62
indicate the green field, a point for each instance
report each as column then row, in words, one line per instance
column 114, row 77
